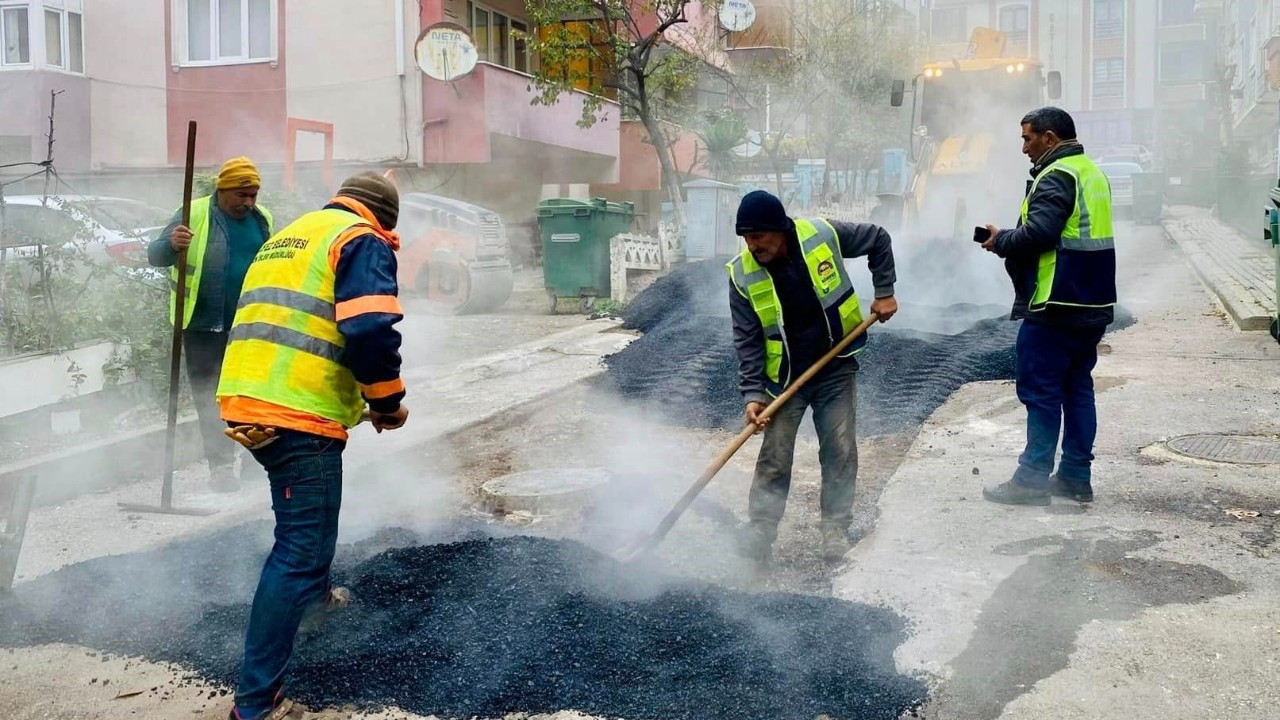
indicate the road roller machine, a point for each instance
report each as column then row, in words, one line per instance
column 454, row 254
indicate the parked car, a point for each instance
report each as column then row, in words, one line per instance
column 1128, row 153
column 110, row 229
column 1120, row 174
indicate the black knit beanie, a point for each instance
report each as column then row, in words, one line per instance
column 376, row 193
column 760, row 211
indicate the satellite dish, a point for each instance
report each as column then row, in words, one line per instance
column 737, row 15
column 751, row 147
column 445, row 52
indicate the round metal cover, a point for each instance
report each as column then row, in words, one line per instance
column 543, row 490
column 1242, row 449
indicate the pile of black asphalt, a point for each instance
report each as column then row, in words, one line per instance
column 684, row 366
column 483, row 627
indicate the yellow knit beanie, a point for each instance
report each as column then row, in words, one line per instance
column 238, row 173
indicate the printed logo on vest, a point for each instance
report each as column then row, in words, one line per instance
column 281, row 248
column 826, row 272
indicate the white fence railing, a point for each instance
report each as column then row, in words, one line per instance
column 642, row 252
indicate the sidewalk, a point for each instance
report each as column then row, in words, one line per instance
column 396, row 464
column 1155, row 601
column 1240, row 271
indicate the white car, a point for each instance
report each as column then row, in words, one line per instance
column 1121, row 176
column 109, row 229
column 1128, row 153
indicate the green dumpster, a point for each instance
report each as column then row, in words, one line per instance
column 1148, row 197
column 575, row 246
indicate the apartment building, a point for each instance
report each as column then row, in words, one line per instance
column 43, row 52
column 1250, row 32
column 286, row 79
column 1124, row 63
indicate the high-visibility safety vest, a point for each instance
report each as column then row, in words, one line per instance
column 1081, row 271
column 201, row 222
column 285, row 348
column 821, row 251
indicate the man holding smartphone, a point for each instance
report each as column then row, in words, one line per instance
column 1062, row 261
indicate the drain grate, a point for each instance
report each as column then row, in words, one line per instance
column 1242, row 449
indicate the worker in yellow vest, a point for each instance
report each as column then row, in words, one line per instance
column 227, row 228
column 1062, row 260
column 312, row 344
column 792, row 300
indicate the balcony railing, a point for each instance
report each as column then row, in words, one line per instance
column 496, row 101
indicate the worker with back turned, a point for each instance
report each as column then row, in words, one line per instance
column 313, row 343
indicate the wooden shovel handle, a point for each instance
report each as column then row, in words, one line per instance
column 685, row 500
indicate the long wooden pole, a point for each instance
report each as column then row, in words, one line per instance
column 179, row 316
column 175, row 355
column 750, row 429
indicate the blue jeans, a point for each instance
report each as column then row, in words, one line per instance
column 306, row 491
column 1055, row 383
column 832, row 394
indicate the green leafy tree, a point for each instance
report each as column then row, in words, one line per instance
column 828, row 97
column 618, row 49
column 722, row 132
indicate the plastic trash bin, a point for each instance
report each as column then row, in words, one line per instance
column 575, row 246
column 1148, row 197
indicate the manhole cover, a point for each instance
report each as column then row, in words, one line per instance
column 1243, row 449
column 539, row 491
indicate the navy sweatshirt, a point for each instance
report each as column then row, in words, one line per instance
column 366, row 270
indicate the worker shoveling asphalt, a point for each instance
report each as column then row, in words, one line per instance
column 797, row 326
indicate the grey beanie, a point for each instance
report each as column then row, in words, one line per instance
column 376, row 193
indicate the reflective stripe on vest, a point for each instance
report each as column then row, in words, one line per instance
column 285, row 347
column 1080, row 271
column 200, row 226
column 831, row 282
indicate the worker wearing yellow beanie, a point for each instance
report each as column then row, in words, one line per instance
column 238, row 173
column 226, row 231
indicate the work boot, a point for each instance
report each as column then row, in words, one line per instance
column 287, row 709
column 1080, row 492
column 757, row 547
column 1011, row 493
column 835, row 544
column 222, row 478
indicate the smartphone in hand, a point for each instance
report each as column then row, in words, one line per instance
column 981, row 234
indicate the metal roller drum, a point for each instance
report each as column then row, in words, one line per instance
column 455, row 254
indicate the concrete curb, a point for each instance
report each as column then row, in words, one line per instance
column 1239, row 273
column 65, row 474
column 122, row 458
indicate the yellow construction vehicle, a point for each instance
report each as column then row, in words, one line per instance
column 965, row 166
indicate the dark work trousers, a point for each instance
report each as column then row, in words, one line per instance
column 832, row 394
column 1055, row 383
column 205, row 351
column 305, row 472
